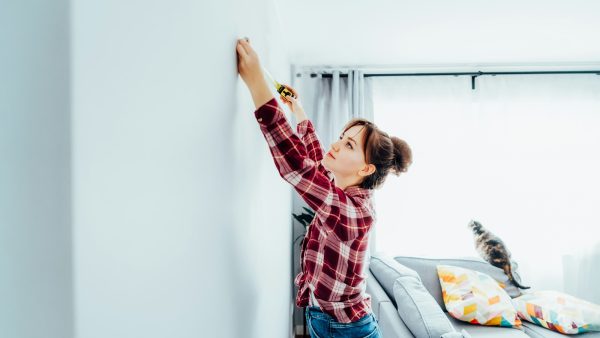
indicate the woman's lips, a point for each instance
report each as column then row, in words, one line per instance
column 331, row 155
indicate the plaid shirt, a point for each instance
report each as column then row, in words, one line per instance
column 335, row 247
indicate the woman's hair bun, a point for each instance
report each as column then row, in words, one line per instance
column 402, row 156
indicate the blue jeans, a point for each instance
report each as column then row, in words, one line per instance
column 322, row 325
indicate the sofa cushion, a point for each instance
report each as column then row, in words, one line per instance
column 558, row 311
column 417, row 308
column 480, row 331
column 475, row 297
column 535, row 331
column 387, row 270
column 426, row 268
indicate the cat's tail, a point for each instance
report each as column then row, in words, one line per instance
column 508, row 272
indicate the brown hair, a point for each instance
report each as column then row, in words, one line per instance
column 387, row 154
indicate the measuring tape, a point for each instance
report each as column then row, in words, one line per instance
column 281, row 89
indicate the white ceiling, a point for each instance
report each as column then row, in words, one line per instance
column 385, row 32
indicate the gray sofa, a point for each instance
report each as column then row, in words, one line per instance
column 381, row 284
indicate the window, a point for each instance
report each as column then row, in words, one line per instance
column 520, row 154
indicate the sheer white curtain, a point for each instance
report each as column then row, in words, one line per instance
column 520, row 154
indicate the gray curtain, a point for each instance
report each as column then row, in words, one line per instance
column 329, row 103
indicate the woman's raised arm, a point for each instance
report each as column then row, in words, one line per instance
column 251, row 72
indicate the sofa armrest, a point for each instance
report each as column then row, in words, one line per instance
column 376, row 292
column 390, row 323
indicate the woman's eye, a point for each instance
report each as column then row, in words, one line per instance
column 348, row 143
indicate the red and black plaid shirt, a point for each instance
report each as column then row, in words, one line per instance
column 335, row 246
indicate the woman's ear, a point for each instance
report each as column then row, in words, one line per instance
column 368, row 170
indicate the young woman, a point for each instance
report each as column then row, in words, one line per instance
column 338, row 187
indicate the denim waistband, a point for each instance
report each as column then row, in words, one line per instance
column 314, row 308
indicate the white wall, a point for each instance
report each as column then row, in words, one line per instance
column 35, row 232
column 442, row 32
column 146, row 167
column 181, row 223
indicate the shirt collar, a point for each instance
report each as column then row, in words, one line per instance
column 358, row 191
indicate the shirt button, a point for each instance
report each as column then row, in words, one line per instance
column 260, row 119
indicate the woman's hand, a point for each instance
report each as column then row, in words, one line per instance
column 294, row 104
column 286, row 99
column 248, row 63
column 251, row 72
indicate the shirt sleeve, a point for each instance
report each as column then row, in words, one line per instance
column 306, row 132
column 339, row 213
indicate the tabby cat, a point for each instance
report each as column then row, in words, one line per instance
column 491, row 248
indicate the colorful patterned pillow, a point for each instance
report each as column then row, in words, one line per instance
column 475, row 297
column 558, row 311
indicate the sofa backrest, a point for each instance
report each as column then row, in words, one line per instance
column 386, row 270
column 427, row 270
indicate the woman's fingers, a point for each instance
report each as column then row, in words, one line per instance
column 294, row 93
column 241, row 49
column 289, row 101
column 247, row 47
column 285, row 99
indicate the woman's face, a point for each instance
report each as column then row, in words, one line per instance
column 346, row 158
